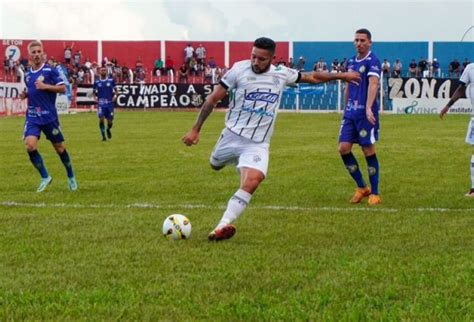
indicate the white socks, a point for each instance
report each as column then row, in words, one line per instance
column 472, row 171
column 235, row 207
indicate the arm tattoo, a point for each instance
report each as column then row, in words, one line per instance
column 206, row 110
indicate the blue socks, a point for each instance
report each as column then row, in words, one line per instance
column 66, row 160
column 38, row 163
column 373, row 169
column 353, row 167
column 102, row 130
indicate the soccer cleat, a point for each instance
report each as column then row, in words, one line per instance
column 470, row 193
column 360, row 194
column 109, row 134
column 374, row 200
column 44, row 183
column 72, row 183
column 104, row 139
column 223, row 233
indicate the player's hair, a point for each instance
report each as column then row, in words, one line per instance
column 365, row 32
column 34, row 43
column 265, row 43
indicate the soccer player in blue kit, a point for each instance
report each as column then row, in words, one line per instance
column 360, row 123
column 42, row 84
column 104, row 91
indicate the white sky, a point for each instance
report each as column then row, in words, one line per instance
column 244, row 20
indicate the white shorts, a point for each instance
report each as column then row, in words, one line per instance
column 470, row 132
column 244, row 153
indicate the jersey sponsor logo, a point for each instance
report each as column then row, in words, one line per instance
column 251, row 78
column 258, row 111
column 262, row 97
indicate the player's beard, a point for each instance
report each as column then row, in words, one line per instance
column 257, row 70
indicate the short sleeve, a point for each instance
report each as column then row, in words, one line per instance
column 229, row 80
column 55, row 77
column 292, row 76
column 374, row 67
column 467, row 74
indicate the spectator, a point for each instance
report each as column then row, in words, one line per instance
column 281, row 62
column 212, row 63
column 386, row 68
column 183, row 73
column 6, row 65
column 24, row 62
column 300, row 65
column 335, row 66
column 412, row 68
column 158, row 69
column 343, row 65
column 435, row 70
column 201, row 54
column 169, row 65
column 422, row 68
column 193, row 66
column 11, row 66
column 67, row 55
column 320, row 65
column 465, row 63
column 397, row 69
column 188, row 53
column 454, row 69
column 291, row 64
column 208, row 74
column 77, row 58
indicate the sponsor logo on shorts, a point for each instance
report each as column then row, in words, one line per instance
column 256, row 158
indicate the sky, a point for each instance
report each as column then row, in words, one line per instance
column 244, row 20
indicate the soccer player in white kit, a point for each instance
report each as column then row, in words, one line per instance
column 467, row 78
column 257, row 86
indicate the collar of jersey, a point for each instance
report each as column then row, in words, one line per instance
column 359, row 60
column 35, row 71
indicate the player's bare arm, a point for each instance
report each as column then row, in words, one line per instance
column 52, row 88
column 460, row 92
column 372, row 94
column 192, row 137
column 321, row 77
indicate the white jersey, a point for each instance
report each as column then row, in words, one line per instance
column 467, row 78
column 254, row 104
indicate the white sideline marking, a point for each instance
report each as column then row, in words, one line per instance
column 200, row 206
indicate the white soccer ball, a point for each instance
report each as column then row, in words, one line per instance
column 176, row 227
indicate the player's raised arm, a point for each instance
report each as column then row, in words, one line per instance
column 322, row 77
column 192, row 137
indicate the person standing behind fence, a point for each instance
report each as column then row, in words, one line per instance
column 467, row 78
column 360, row 123
column 105, row 94
column 42, row 85
column 201, row 54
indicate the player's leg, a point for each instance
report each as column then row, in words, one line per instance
column 470, row 140
column 253, row 165
column 31, row 135
column 367, row 139
column 109, row 115
column 348, row 134
column 54, row 134
column 471, row 191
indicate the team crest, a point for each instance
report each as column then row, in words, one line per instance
column 55, row 131
column 362, row 69
column 372, row 171
column 196, row 100
column 363, row 133
column 41, row 78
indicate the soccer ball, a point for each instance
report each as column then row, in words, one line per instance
column 176, row 227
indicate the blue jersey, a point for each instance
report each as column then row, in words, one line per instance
column 357, row 98
column 42, row 103
column 104, row 90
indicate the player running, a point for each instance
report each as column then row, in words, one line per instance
column 105, row 94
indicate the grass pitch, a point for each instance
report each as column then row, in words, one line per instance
column 301, row 251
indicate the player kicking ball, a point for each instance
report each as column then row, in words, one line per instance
column 258, row 86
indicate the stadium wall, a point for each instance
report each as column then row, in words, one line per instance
column 445, row 52
column 128, row 52
column 214, row 49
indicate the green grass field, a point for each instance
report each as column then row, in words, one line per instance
column 301, row 251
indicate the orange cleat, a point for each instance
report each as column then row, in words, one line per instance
column 374, row 200
column 360, row 194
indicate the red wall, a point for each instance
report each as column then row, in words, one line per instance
column 127, row 52
column 241, row 50
column 55, row 48
column 213, row 49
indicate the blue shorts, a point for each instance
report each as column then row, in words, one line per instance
column 107, row 112
column 51, row 130
column 359, row 130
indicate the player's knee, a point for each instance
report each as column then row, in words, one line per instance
column 30, row 146
column 344, row 149
column 59, row 147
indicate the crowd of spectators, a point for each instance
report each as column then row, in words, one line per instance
column 196, row 67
